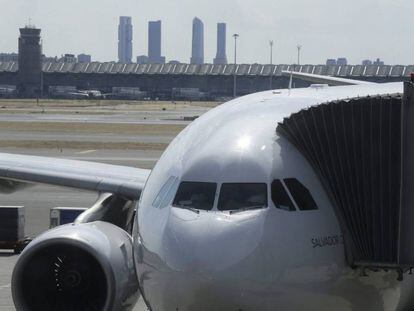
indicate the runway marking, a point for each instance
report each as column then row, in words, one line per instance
column 5, row 286
column 86, row 151
column 114, row 159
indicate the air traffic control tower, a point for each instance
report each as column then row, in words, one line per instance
column 30, row 62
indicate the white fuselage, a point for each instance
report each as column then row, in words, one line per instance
column 262, row 259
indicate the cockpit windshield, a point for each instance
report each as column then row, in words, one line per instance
column 239, row 196
column 195, row 195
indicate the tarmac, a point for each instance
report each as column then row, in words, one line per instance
column 131, row 118
column 84, row 137
column 39, row 199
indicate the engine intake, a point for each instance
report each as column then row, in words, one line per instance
column 77, row 267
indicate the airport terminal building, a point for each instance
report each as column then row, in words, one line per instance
column 212, row 81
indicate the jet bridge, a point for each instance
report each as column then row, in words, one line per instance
column 363, row 151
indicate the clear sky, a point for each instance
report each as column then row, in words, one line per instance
column 356, row 29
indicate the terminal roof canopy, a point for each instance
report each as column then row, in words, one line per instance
column 219, row 69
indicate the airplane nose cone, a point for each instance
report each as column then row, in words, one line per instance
column 208, row 260
column 212, row 242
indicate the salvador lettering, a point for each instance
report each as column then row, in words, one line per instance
column 325, row 241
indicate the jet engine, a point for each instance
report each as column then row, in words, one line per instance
column 85, row 266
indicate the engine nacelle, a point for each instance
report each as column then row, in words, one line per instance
column 77, row 267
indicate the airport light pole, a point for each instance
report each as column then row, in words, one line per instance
column 271, row 63
column 235, row 36
column 299, row 47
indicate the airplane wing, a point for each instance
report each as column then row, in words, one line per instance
column 333, row 81
column 18, row 170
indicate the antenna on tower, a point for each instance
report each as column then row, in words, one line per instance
column 29, row 24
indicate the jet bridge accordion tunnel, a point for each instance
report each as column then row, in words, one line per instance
column 363, row 151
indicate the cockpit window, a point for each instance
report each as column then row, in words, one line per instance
column 280, row 197
column 237, row 196
column 166, row 193
column 301, row 194
column 197, row 195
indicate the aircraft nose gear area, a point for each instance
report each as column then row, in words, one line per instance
column 70, row 279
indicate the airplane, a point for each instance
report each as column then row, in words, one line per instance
column 80, row 94
column 266, row 202
column 93, row 94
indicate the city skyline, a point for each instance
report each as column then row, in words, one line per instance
column 316, row 26
column 125, row 30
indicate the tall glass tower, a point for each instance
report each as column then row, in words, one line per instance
column 221, row 57
column 154, row 43
column 125, row 39
column 197, row 51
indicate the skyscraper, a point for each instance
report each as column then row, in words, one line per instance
column 154, row 43
column 221, row 57
column 125, row 39
column 197, row 51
